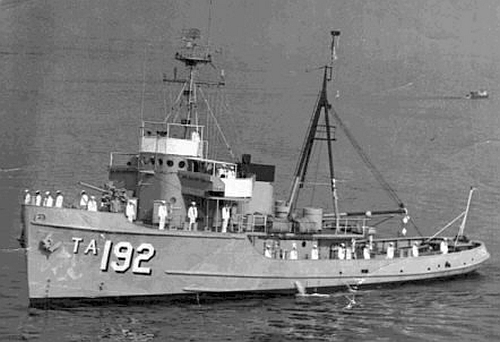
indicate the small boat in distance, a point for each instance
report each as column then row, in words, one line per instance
column 477, row 94
column 178, row 220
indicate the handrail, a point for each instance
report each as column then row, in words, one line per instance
column 112, row 154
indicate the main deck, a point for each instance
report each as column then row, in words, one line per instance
column 79, row 254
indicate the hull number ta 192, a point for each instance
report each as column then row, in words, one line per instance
column 121, row 256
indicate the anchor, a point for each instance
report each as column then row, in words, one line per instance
column 47, row 244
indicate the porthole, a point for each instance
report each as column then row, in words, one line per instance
column 170, row 163
column 428, row 268
column 160, row 161
column 182, row 164
column 304, row 244
column 340, row 272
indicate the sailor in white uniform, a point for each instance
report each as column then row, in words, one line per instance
column 267, row 251
column 341, row 252
column 59, row 199
column 314, row 252
column 414, row 249
column 353, row 248
column 48, row 201
column 84, row 200
column 390, row 251
column 294, row 254
column 162, row 215
column 348, row 253
column 192, row 215
column 38, row 198
column 130, row 211
column 226, row 214
column 444, row 246
column 92, row 204
column 366, row 252
column 27, row 197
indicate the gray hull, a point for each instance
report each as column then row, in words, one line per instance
column 79, row 254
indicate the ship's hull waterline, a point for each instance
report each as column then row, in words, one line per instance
column 80, row 254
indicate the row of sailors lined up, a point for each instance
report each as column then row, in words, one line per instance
column 49, row 201
column 348, row 253
column 46, row 201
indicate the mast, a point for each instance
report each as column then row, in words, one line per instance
column 194, row 54
column 322, row 106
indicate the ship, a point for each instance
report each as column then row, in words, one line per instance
column 477, row 94
column 174, row 222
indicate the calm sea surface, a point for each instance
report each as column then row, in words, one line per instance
column 77, row 76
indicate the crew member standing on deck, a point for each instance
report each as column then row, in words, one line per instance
column 314, row 252
column 390, row 251
column 48, row 201
column 84, row 200
column 267, row 252
column 341, row 252
column 192, row 215
column 59, row 199
column 27, row 197
column 444, row 246
column 38, row 198
column 92, row 204
column 226, row 214
column 234, row 218
column 366, row 252
column 294, row 254
column 162, row 215
column 130, row 211
column 353, row 248
column 414, row 249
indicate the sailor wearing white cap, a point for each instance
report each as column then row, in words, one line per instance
column 27, row 197
column 444, row 246
column 92, row 204
column 226, row 214
column 267, row 251
column 162, row 215
column 48, row 201
column 294, row 254
column 414, row 249
column 130, row 211
column 390, row 251
column 38, row 198
column 84, row 200
column 192, row 215
column 59, row 199
column 314, row 252
column 341, row 252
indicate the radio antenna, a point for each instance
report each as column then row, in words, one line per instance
column 209, row 21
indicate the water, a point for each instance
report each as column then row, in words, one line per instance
column 71, row 91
